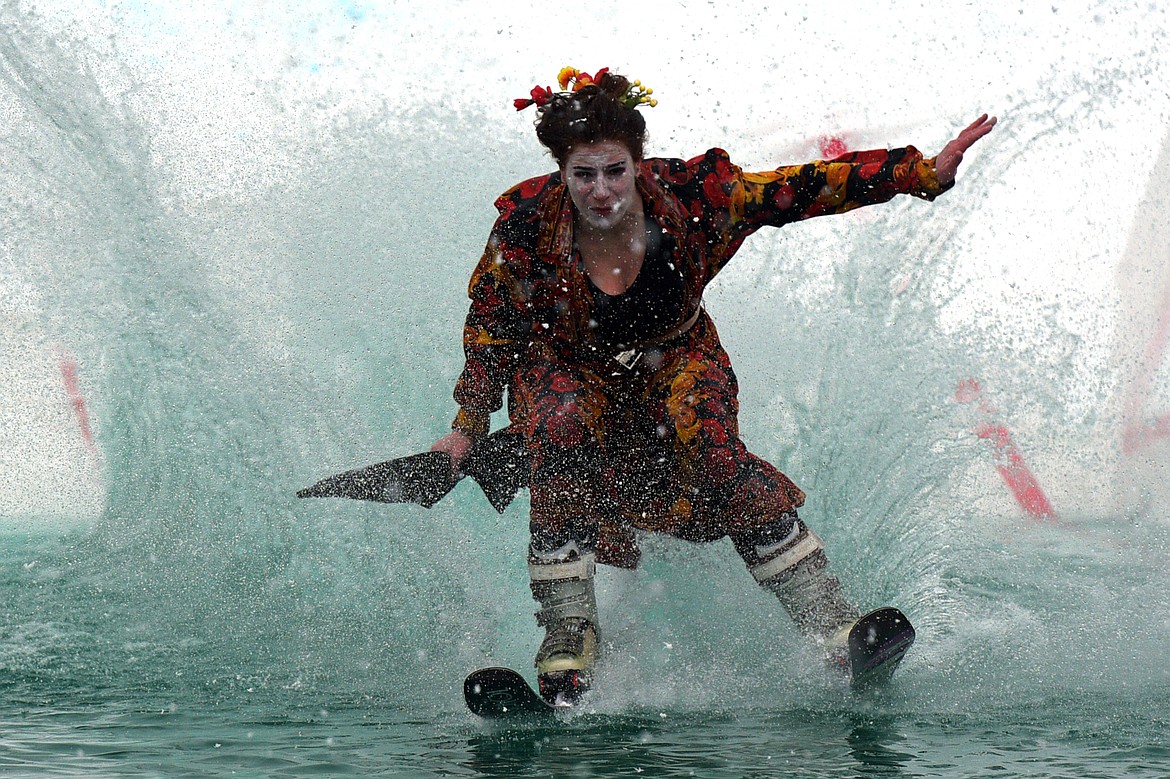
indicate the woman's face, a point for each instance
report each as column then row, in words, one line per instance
column 601, row 180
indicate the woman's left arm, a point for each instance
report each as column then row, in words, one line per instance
column 733, row 204
column 852, row 180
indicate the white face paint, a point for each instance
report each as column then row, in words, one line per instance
column 601, row 180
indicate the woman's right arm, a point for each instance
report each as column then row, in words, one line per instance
column 498, row 327
column 495, row 333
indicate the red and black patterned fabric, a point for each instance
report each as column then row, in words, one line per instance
column 528, row 332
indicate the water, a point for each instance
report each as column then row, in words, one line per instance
column 255, row 243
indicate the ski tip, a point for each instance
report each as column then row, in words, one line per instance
column 877, row 644
column 501, row 693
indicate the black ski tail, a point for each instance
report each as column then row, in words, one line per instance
column 501, row 693
column 423, row 478
column 498, row 464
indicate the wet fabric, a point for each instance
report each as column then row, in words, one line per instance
column 529, row 286
column 654, row 448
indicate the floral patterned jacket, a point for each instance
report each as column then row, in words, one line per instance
column 530, row 288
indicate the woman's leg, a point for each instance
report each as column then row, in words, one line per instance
column 559, row 409
column 726, row 490
column 719, row 486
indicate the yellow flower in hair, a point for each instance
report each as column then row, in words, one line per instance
column 578, row 78
column 566, row 75
column 638, row 95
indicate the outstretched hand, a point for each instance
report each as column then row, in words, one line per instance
column 947, row 161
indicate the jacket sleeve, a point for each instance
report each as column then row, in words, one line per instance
column 496, row 331
column 853, row 180
column 741, row 203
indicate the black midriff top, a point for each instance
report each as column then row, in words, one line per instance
column 650, row 307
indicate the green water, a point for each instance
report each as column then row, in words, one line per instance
column 1044, row 675
column 254, row 310
column 376, row 740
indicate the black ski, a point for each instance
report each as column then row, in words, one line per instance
column 498, row 693
column 877, row 644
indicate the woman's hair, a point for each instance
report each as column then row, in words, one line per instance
column 592, row 113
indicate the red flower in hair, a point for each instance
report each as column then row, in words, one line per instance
column 578, row 78
column 597, row 76
column 539, row 96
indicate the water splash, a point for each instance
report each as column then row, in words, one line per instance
column 299, row 315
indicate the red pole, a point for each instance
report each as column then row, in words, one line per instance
column 77, row 400
column 1009, row 461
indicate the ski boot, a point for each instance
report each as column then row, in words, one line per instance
column 794, row 570
column 568, row 613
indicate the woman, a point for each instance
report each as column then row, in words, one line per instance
column 587, row 308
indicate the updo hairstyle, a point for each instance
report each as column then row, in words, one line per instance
column 593, row 113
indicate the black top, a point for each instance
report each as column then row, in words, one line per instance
column 650, row 307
